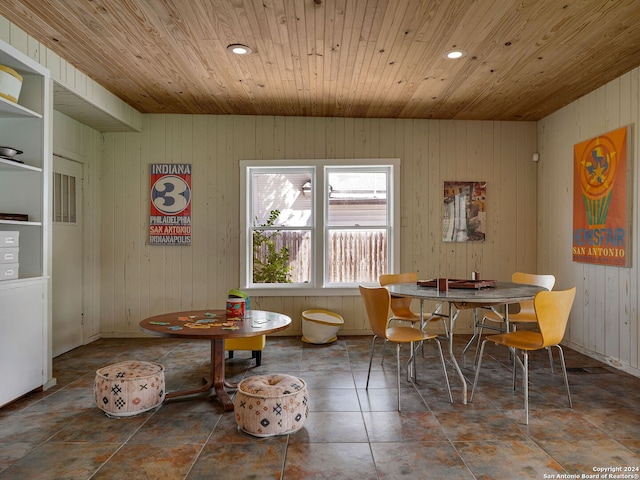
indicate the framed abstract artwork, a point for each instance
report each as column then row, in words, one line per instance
column 464, row 214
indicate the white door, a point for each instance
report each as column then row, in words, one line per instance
column 67, row 328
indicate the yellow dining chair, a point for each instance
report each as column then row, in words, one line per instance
column 401, row 306
column 526, row 313
column 377, row 301
column 552, row 311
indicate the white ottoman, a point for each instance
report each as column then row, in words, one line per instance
column 129, row 388
column 267, row 405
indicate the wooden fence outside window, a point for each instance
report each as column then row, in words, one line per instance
column 354, row 256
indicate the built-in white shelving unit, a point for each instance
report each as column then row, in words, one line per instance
column 25, row 189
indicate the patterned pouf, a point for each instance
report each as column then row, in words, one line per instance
column 129, row 388
column 267, row 405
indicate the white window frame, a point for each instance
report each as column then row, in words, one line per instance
column 319, row 226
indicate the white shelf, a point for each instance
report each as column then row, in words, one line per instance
column 18, row 282
column 18, row 222
column 11, row 165
column 10, row 109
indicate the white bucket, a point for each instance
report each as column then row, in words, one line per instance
column 10, row 83
column 320, row 326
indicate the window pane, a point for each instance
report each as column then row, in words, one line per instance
column 357, row 198
column 65, row 198
column 286, row 192
column 281, row 256
column 356, row 255
column 72, row 199
column 57, row 197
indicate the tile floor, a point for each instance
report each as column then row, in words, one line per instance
column 350, row 433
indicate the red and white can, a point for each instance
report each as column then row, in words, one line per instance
column 235, row 307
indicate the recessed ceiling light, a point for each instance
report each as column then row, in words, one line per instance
column 453, row 54
column 239, row 49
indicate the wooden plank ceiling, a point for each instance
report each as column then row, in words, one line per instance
column 347, row 58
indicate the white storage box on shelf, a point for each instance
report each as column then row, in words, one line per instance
column 9, row 239
column 320, row 326
column 8, row 271
column 9, row 249
column 10, row 83
column 9, row 255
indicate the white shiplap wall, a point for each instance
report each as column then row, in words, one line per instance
column 604, row 320
column 138, row 280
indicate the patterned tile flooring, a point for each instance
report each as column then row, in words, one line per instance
column 351, row 433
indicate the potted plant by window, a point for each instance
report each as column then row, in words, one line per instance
column 270, row 263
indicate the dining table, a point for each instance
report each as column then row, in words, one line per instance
column 492, row 295
column 215, row 326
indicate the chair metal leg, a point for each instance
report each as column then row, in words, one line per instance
column 516, row 359
column 422, row 324
column 398, row 370
column 526, row 387
column 475, row 380
column 524, row 364
column 419, row 346
column 373, row 344
column 480, row 329
column 550, row 359
column 411, row 364
column 478, row 326
column 446, row 327
column 467, row 346
column 564, row 370
column 444, row 369
column 435, row 314
column 473, row 338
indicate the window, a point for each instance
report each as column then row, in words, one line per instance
column 64, row 198
column 316, row 227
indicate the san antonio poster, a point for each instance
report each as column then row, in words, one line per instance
column 601, row 196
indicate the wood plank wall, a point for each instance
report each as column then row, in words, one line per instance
column 604, row 319
column 138, row 280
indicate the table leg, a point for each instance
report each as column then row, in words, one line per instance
column 473, row 339
column 452, row 321
column 184, row 393
column 217, row 373
column 216, row 378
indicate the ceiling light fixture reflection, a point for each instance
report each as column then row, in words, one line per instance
column 454, row 54
column 239, row 49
